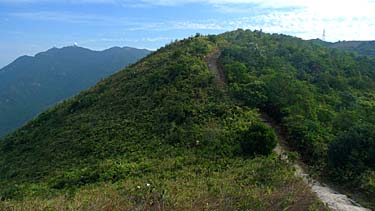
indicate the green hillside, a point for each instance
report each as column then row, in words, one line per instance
column 360, row 47
column 171, row 132
column 31, row 84
column 365, row 48
column 323, row 98
column 159, row 135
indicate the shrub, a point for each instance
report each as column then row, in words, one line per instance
column 258, row 139
column 353, row 150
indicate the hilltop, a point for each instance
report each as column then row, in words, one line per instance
column 31, row 84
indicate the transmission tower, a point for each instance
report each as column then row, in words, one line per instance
column 324, row 35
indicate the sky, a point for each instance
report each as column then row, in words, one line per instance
column 31, row 26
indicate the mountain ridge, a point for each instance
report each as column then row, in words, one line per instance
column 72, row 47
column 52, row 76
column 362, row 47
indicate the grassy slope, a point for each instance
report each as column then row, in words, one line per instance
column 161, row 122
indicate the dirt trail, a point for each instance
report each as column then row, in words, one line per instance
column 215, row 68
column 330, row 197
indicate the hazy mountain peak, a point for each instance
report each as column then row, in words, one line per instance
column 59, row 73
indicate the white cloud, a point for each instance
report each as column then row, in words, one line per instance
column 313, row 4
column 306, row 24
column 342, row 19
column 302, row 23
column 324, row 8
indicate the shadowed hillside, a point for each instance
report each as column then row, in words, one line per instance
column 30, row 85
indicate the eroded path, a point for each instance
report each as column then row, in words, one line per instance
column 330, row 197
column 215, row 68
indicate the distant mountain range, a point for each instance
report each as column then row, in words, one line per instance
column 32, row 84
column 366, row 48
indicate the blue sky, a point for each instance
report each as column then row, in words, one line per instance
column 31, row 26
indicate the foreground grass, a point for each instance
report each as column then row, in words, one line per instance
column 264, row 183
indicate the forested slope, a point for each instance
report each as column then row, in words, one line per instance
column 360, row 47
column 364, row 48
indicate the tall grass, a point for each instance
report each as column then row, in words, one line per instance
column 258, row 184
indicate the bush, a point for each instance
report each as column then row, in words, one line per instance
column 368, row 182
column 252, row 93
column 354, row 150
column 258, row 139
column 9, row 192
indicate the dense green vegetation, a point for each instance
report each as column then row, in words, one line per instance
column 324, row 98
column 163, row 132
column 365, row 48
column 30, row 85
column 360, row 47
column 160, row 135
